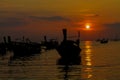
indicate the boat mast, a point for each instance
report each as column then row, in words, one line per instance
column 79, row 35
column 78, row 40
column 64, row 34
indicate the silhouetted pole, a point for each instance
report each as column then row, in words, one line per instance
column 23, row 39
column 45, row 38
column 9, row 39
column 79, row 35
column 64, row 34
column 4, row 38
column 78, row 40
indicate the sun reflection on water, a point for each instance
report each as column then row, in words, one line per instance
column 88, row 50
column 87, row 60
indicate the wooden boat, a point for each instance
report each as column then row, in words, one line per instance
column 69, row 50
column 104, row 41
column 51, row 44
column 2, row 49
column 22, row 48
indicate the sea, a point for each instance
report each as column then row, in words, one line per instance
column 98, row 62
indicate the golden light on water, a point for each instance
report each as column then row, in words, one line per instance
column 88, row 73
column 88, row 60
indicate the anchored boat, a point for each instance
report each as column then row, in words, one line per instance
column 69, row 50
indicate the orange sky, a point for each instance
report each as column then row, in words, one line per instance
column 36, row 18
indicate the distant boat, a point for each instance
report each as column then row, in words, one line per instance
column 104, row 41
column 69, row 50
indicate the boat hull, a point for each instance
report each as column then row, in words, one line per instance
column 68, row 51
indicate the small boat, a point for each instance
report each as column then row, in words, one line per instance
column 103, row 41
column 69, row 50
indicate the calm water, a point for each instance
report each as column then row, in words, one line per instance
column 99, row 62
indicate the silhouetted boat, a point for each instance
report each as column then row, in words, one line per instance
column 51, row 44
column 69, row 50
column 2, row 49
column 104, row 41
column 22, row 48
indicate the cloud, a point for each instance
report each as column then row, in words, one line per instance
column 16, row 19
column 90, row 15
column 52, row 18
column 12, row 22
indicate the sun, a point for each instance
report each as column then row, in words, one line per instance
column 87, row 26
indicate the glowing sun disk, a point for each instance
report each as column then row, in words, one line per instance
column 87, row 26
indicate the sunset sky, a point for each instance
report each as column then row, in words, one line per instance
column 36, row 18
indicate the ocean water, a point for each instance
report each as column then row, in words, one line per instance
column 98, row 62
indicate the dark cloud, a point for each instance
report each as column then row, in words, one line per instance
column 113, row 25
column 17, row 21
column 52, row 18
column 13, row 19
column 12, row 22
